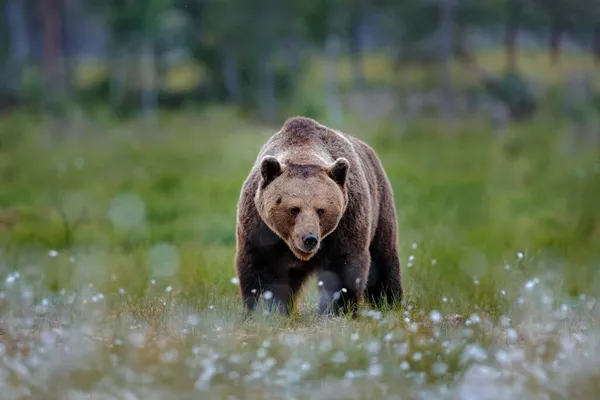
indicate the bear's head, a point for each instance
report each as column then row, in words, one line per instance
column 302, row 203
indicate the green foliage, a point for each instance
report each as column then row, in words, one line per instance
column 134, row 18
column 261, row 48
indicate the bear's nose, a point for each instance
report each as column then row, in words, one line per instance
column 310, row 240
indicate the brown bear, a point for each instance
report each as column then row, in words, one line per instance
column 317, row 201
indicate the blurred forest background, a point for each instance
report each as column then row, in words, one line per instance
column 507, row 58
column 144, row 117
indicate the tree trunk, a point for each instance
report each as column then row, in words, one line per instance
column 596, row 45
column 52, row 51
column 510, row 41
column 268, row 41
column 334, row 107
column 446, row 52
column 355, row 45
column 16, row 20
column 118, row 78
column 149, row 92
column 71, row 14
column 230, row 73
column 556, row 31
column 267, row 99
column 293, row 49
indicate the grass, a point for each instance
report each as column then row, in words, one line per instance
column 117, row 262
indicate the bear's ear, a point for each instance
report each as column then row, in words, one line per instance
column 270, row 168
column 338, row 171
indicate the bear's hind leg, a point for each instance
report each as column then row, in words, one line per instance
column 384, row 288
column 385, row 280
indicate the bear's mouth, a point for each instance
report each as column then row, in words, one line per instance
column 303, row 254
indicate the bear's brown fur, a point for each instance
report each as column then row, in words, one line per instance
column 317, row 201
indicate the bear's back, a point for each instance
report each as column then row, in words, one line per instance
column 305, row 136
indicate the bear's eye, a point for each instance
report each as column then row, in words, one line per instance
column 295, row 211
column 320, row 212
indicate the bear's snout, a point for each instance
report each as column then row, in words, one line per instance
column 310, row 241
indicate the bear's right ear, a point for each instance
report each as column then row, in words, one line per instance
column 270, row 168
column 338, row 171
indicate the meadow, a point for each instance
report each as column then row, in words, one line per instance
column 116, row 256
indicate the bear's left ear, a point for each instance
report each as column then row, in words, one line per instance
column 270, row 168
column 338, row 171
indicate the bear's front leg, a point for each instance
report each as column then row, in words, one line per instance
column 258, row 279
column 341, row 287
column 274, row 296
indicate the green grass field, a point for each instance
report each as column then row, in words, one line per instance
column 117, row 248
